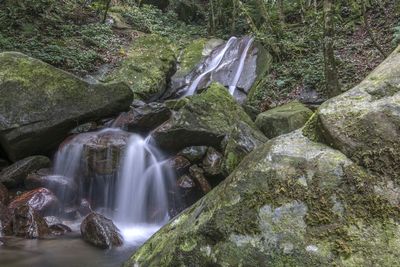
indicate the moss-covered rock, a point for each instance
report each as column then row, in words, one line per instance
column 283, row 119
column 204, row 120
column 40, row 104
column 291, row 202
column 238, row 143
column 147, row 67
column 364, row 123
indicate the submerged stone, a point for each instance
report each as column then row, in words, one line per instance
column 40, row 104
column 291, row 202
column 283, row 119
column 100, row 231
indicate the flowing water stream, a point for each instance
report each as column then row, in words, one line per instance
column 124, row 176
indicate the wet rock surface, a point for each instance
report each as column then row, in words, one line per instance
column 28, row 223
column 194, row 153
column 42, row 200
column 15, row 174
column 100, row 231
column 143, row 117
column 179, row 164
column 198, row 175
column 63, row 187
column 4, row 196
column 5, row 220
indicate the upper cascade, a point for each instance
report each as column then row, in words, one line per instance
column 232, row 64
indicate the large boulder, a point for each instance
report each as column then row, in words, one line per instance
column 100, row 231
column 205, row 120
column 147, row 67
column 40, row 104
column 283, row 119
column 364, row 123
column 41, row 200
column 291, row 202
column 14, row 175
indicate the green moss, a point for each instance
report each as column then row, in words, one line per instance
column 148, row 65
column 283, row 119
column 191, row 56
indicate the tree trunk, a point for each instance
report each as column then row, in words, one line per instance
column 331, row 76
column 106, row 10
column 369, row 31
column 281, row 12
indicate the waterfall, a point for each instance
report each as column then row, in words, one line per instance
column 212, row 65
column 142, row 190
column 228, row 60
column 233, row 85
column 135, row 195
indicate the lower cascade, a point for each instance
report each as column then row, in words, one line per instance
column 131, row 188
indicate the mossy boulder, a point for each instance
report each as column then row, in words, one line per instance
column 238, row 143
column 364, row 123
column 291, row 202
column 204, row 120
column 147, row 67
column 283, row 119
column 40, row 104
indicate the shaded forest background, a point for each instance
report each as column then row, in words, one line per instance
column 77, row 36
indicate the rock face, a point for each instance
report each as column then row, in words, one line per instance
column 3, row 195
column 364, row 123
column 256, row 61
column 291, row 202
column 100, row 231
column 5, row 220
column 143, row 117
column 238, row 143
column 28, row 223
column 41, row 200
column 283, row 119
column 63, row 187
column 15, row 174
column 147, row 68
column 205, row 120
column 40, row 104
